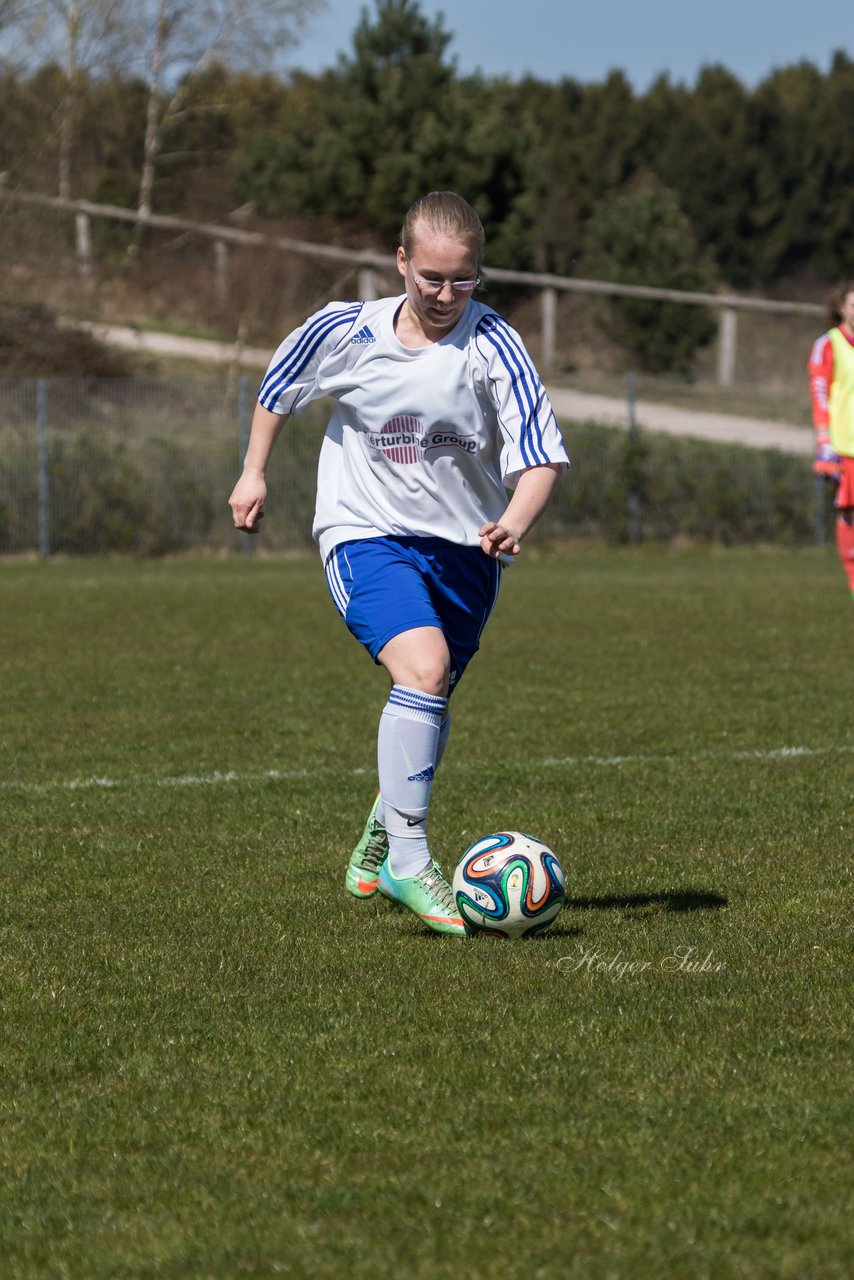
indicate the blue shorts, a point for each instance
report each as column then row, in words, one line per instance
column 383, row 586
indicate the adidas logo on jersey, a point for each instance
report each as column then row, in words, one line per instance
column 363, row 337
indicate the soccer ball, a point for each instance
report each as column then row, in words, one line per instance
column 508, row 885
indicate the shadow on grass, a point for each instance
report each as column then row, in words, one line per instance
column 557, row 931
column 671, row 900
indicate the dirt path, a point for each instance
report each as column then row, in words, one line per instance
column 568, row 405
column 673, row 421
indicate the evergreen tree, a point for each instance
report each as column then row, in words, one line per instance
column 590, row 148
column 790, row 172
column 642, row 237
column 835, row 248
column 393, row 120
column 765, row 177
column 804, row 211
column 698, row 142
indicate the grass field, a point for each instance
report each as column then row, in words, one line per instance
column 215, row 1064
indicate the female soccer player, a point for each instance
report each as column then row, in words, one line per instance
column 831, row 370
column 441, row 453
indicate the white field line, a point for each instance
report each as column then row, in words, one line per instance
column 231, row 777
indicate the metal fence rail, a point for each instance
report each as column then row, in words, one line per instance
column 145, row 467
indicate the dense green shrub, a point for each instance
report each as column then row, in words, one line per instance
column 626, row 486
column 146, row 468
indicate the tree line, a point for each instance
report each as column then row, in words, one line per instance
column 703, row 186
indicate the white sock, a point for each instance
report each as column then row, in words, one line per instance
column 444, row 735
column 407, row 751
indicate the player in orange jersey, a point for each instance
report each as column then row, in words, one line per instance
column 831, row 370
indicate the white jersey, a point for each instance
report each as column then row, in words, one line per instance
column 422, row 441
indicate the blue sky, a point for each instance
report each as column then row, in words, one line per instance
column 584, row 39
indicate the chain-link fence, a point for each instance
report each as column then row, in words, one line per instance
column 90, row 467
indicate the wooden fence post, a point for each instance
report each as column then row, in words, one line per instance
column 83, row 238
column 221, row 256
column 548, row 314
column 727, row 341
column 367, row 284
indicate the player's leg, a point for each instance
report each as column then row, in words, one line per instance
column 463, row 586
column 845, row 518
column 418, row 663
column 845, row 543
column 371, row 850
column 386, row 603
column 369, row 854
column 419, row 606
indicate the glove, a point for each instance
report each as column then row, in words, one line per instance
column 827, row 461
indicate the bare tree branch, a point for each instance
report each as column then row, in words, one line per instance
column 82, row 37
column 185, row 37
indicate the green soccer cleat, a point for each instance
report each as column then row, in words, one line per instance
column 367, row 857
column 428, row 894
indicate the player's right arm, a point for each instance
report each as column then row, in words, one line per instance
column 290, row 381
column 250, row 492
column 826, row 461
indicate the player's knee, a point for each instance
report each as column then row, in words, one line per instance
column 419, row 660
column 431, row 674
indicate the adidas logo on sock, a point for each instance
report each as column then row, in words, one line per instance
column 426, row 775
column 363, row 337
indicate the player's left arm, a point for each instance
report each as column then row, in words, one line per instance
column 529, row 501
column 533, row 455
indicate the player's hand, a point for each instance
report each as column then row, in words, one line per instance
column 497, row 540
column 827, row 461
column 247, row 503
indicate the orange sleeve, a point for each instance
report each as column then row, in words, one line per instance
column 821, row 376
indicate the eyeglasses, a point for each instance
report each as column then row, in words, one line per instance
column 434, row 287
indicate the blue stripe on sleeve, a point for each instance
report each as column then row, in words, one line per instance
column 278, row 378
column 525, row 383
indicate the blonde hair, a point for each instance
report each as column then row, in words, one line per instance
column 446, row 214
